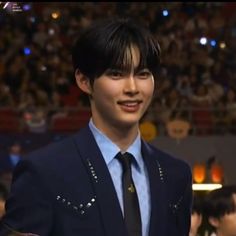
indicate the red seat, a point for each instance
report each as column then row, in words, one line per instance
column 202, row 119
column 8, row 112
column 81, row 114
column 68, row 124
column 9, row 124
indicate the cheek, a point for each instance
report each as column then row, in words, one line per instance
column 229, row 223
column 147, row 88
column 2, row 209
column 233, row 222
column 195, row 221
column 105, row 92
column 113, row 91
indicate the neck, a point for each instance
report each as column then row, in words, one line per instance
column 123, row 137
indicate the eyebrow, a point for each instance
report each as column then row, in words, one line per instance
column 135, row 71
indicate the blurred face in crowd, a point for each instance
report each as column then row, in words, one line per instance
column 201, row 90
column 226, row 225
column 231, row 95
column 119, row 98
column 2, row 208
column 15, row 148
column 196, row 220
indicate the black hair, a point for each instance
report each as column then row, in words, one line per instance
column 197, row 204
column 3, row 192
column 104, row 44
column 219, row 202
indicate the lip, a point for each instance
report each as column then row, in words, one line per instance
column 129, row 101
column 130, row 105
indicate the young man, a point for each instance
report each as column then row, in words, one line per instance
column 221, row 210
column 77, row 187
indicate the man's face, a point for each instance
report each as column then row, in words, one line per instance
column 120, row 99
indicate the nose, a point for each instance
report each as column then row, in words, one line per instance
column 131, row 87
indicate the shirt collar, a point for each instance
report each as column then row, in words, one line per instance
column 110, row 149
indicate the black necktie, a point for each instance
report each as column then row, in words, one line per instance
column 131, row 205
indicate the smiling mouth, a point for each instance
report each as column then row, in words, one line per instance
column 129, row 103
column 130, row 106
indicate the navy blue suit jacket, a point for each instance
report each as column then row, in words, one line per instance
column 6, row 165
column 65, row 189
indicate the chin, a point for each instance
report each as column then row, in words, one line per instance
column 128, row 123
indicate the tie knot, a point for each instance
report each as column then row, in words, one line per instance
column 125, row 159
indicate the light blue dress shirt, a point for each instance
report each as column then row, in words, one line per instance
column 139, row 172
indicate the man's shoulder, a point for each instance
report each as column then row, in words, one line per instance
column 173, row 168
column 166, row 159
column 57, row 150
column 52, row 152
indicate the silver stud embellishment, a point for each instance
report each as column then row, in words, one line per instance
column 92, row 171
column 81, row 207
column 161, row 174
column 175, row 207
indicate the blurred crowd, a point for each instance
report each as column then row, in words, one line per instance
column 214, row 212
column 197, row 76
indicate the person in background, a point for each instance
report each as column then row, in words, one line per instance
column 220, row 210
column 11, row 159
column 3, row 197
column 105, row 180
column 196, row 216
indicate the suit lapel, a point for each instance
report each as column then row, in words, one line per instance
column 158, row 192
column 107, row 200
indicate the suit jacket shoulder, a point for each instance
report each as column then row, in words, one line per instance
column 64, row 189
column 167, row 161
column 171, row 191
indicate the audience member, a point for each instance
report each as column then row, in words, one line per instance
column 14, row 155
column 3, row 197
column 196, row 216
column 220, row 210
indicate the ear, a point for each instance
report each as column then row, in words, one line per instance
column 214, row 222
column 83, row 82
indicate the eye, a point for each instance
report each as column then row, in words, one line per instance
column 114, row 74
column 144, row 74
